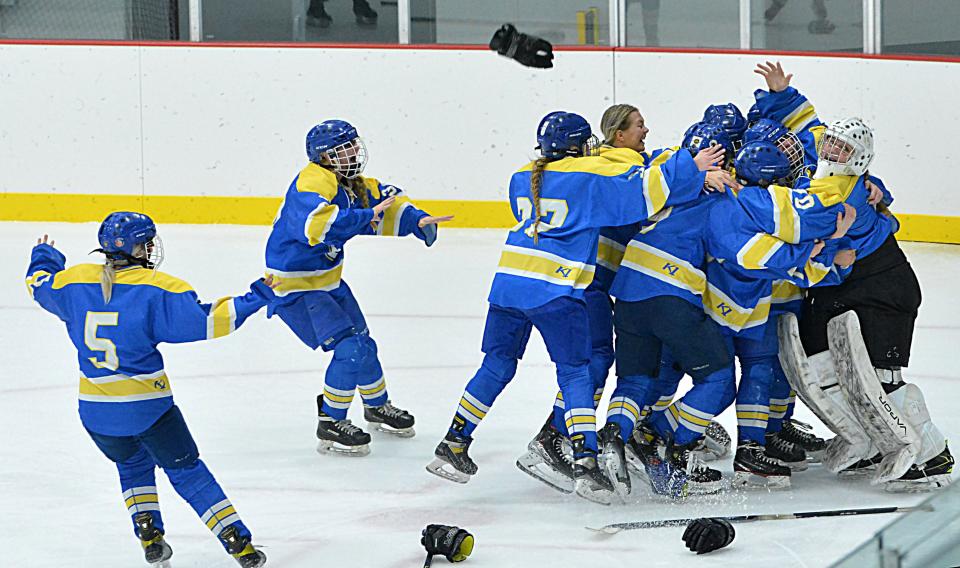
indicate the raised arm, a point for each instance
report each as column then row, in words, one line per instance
column 45, row 262
column 181, row 318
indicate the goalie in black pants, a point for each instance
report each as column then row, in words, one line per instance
column 868, row 347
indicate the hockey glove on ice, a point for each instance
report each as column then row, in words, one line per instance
column 529, row 50
column 454, row 543
column 707, row 535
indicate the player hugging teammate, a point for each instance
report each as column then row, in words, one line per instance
column 690, row 280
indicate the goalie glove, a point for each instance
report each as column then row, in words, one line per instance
column 706, row 535
column 529, row 50
column 454, row 543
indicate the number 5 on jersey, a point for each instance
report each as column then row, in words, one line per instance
column 553, row 212
column 94, row 343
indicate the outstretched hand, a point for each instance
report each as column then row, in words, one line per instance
column 43, row 241
column 720, row 180
column 423, row 222
column 844, row 221
column 707, row 159
column 271, row 282
column 379, row 208
column 773, row 73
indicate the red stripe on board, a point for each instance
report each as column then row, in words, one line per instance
column 474, row 47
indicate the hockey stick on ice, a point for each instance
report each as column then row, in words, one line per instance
column 617, row 527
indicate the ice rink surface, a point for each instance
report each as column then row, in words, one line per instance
column 250, row 402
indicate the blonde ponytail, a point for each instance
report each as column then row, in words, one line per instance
column 107, row 278
column 615, row 118
column 536, row 180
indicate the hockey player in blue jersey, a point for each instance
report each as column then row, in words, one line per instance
column 883, row 292
column 560, row 201
column 548, row 454
column 116, row 314
column 327, row 204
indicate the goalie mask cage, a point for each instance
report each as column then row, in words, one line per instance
column 93, row 19
column 925, row 538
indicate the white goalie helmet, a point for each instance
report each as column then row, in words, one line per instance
column 845, row 149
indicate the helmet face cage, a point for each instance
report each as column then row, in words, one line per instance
column 348, row 159
column 151, row 252
column 791, row 146
column 591, row 147
column 846, row 147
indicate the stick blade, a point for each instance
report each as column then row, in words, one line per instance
column 606, row 530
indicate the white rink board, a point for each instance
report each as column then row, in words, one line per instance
column 444, row 124
column 249, row 401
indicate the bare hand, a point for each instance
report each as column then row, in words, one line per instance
column 381, row 207
column 776, row 79
column 845, row 258
column 876, row 195
column 707, row 158
column 44, row 241
column 844, row 221
column 271, row 282
column 817, row 248
column 434, row 220
column 719, row 180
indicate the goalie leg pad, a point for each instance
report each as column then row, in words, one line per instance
column 814, row 379
column 885, row 423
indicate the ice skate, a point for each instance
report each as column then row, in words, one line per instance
column 643, row 456
column 590, row 481
column 786, row 453
column 932, row 475
column 701, row 480
column 549, row 459
column 452, row 460
column 613, row 459
column 156, row 551
column 341, row 437
column 754, row 469
column 802, row 435
column 862, row 468
column 390, row 420
column 716, row 442
column 241, row 549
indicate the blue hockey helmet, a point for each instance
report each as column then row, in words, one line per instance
column 131, row 237
column 703, row 135
column 339, row 143
column 563, row 134
column 762, row 163
column 753, row 115
column 728, row 116
column 772, row 131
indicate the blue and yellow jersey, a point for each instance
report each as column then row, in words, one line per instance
column 317, row 217
column 667, row 256
column 577, row 197
column 791, row 109
column 123, row 385
column 871, row 228
column 750, row 252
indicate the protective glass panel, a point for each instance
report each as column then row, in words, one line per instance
column 921, row 26
column 561, row 22
column 807, row 25
column 93, row 19
column 683, row 23
column 319, row 21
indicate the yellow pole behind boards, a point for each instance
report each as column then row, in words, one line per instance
column 582, row 27
column 587, row 30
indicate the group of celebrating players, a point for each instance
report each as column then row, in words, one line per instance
column 760, row 238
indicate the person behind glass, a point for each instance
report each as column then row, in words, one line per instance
column 327, row 204
column 318, row 16
column 116, row 315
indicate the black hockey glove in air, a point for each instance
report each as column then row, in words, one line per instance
column 707, row 535
column 454, row 543
column 529, row 50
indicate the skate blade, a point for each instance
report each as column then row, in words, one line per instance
column 398, row 432
column 924, row 485
column 711, row 488
column 326, row 447
column 746, row 480
column 617, row 473
column 815, row 457
column 533, row 465
column 161, row 564
column 439, row 467
column 601, row 497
